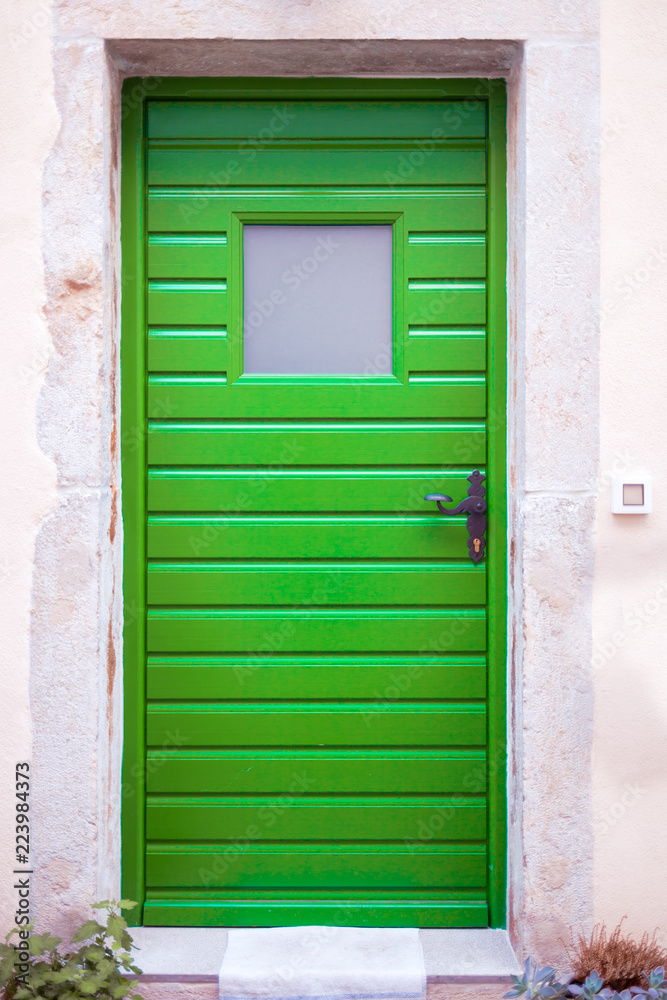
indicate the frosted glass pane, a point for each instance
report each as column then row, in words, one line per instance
column 317, row 300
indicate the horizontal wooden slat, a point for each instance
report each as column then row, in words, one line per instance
column 185, row 351
column 210, row 631
column 446, row 260
column 322, row 819
column 303, row 583
column 212, row 164
column 325, row 772
column 208, row 209
column 193, row 255
column 441, row 351
column 262, row 122
column 450, row 305
column 313, row 866
column 389, row 679
column 314, row 444
column 462, row 398
column 374, row 912
column 421, row 537
column 272, row 489
column 342, row 724
column 193, row 303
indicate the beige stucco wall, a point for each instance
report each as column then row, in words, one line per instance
column 28, row 125
column 630, row 598
column 60, row 251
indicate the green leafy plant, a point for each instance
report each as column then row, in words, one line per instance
column 94, row 970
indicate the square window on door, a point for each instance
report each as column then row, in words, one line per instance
column 317, row 300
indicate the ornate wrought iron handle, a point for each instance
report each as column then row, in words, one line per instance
column 475, row 506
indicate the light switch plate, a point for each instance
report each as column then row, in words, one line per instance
column 631, row 493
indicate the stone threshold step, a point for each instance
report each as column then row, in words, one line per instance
column 182, row 963
column 198, row 988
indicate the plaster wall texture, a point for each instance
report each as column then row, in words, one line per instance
column 28, row 125
column 630, row 603
column 77, row 607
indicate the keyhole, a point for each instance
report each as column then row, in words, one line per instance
column 477, row 542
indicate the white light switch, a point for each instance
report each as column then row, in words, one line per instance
column 631, row 494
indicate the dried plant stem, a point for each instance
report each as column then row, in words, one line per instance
column 619, row 959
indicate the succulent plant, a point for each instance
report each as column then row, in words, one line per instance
column 536, row 982
column 592, row 986
column 541, row 983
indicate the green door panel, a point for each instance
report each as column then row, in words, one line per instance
column 441, row 352
column 251, row 631
column 313, row 490
column 454, row 255
column 184, row 351
column 313, row 444
column 450, row 303
column 226, row 910
column 209, row 209
column 174, row 255
column 313, row 667
column 201, row 303
column 196, row 397
column 393, row 772
column 316, row 725
column 334, row 583
column 188, row 537
column 206, row 163
column 321, row 677
column 315, row 120
column 321, row 818
column 364, row 868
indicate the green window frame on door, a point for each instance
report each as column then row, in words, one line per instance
column 204, row 708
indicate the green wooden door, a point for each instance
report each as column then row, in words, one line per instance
column 314, row 668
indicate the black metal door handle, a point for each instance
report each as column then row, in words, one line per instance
column 475, row 506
